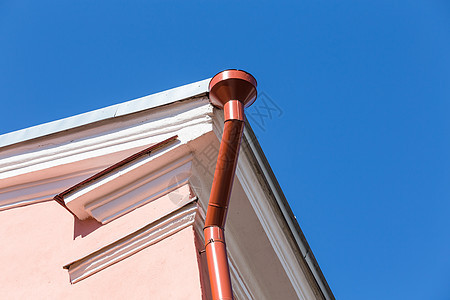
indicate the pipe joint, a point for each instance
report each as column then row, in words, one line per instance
column 233, row 110
column 214, row 234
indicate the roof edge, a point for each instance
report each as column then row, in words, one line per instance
column 294, row 227
column 137, row 105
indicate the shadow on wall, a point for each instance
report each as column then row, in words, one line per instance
column 84, row 227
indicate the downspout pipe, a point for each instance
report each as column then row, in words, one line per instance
column 232, row 91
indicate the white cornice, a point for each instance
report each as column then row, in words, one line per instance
column 39, row 191
column 131, row 186
column 52, row 166
column 186, row 120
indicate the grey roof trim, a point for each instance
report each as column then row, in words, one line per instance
column 306, row 252
column 125, row 108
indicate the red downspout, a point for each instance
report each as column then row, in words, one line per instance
column 231, row 90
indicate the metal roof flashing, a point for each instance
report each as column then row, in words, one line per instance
column 133, row 106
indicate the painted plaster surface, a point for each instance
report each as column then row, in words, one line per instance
column 38, row 240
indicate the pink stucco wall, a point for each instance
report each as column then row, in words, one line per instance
column 38, row 240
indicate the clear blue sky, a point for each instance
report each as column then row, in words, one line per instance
column 361, row 147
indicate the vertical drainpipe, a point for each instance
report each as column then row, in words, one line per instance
column 231, row 90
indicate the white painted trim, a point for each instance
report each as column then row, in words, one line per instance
column 39, row 191
column 59, row 165
column 125, row 108
column 132, row 243
column 187, row 121
column 110, row 197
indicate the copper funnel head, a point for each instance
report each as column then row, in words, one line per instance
column 232, row 85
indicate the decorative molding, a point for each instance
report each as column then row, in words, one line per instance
column 39, row 191
column 39, row 170
column 129, row 187
column 188, row 119
column 132, row 243
column 190, row 214
column 141, row 191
